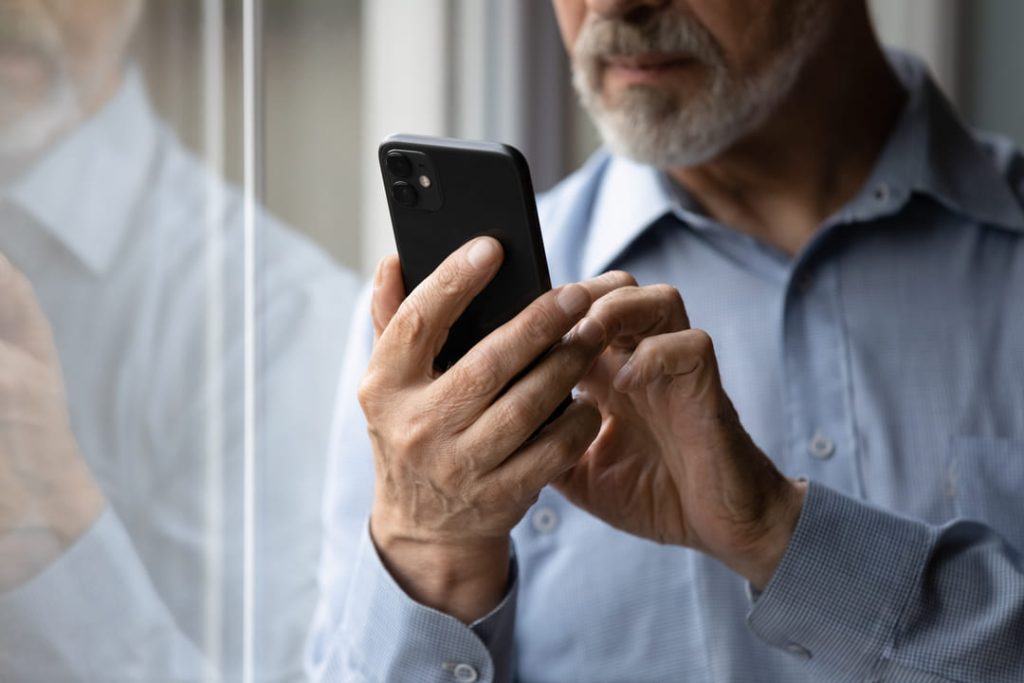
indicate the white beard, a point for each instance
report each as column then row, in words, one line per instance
column 651, row 126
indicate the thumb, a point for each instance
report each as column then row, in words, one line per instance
column 388, row 293
column 22, row 322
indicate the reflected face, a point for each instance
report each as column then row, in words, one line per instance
column 56, row 58
column 674, row 83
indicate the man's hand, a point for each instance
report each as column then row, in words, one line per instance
column 672, row 462
column 454, row 473
column 48, row 497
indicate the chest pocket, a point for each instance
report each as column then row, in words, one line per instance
column 988, row 483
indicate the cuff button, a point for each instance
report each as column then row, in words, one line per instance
column 464, row 673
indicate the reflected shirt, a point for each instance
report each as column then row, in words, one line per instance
column 884, row 363
column 135, row 250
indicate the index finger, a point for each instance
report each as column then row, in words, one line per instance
column 631, row 314
column 417, row 330
column 608, row 282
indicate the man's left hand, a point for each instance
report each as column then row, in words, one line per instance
column 48, row 497
column 672, row 462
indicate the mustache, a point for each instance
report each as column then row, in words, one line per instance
column 662, row 34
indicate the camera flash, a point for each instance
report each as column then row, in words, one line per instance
column 424, row 181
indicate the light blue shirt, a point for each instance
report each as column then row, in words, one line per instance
column 135, row 251
column 884, row 363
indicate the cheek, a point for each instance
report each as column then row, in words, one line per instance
column 746, row 31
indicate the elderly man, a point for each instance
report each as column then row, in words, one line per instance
column 829, row 493
column 122, row 378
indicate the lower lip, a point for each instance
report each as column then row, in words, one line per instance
column 649, row 75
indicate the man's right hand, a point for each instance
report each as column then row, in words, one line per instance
column 453, row 476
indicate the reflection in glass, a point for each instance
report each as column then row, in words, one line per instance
column 124, row 373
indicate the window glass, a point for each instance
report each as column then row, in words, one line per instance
column 178, row 221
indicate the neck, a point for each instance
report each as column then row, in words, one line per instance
column 815, row 152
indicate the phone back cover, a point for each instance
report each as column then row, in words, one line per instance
column 485, row 190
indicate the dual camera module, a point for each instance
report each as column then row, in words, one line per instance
column 412, row 179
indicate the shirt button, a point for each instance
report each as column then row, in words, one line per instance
column 798, row 651
column 882, row 192
column 545, row 520
column 464, row 673
column 821, row 447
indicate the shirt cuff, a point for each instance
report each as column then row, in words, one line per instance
column 386, row 636
column 839, row 591
column 82, row 617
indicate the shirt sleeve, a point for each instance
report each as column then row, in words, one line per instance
column 863, row 594
column 383, row 635
column 98, row 586
column 367, row 629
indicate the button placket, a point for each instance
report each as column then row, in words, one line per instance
column 817, row 375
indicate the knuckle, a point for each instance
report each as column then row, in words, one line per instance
column 701, row 343
column 450, row 280
column 669, row 293
column 614, row 302
column 408, row 325
column 623, row 277
column 412, row 438
column 574, row 360
column 369, row 391
column 540, row 323
column 566, row 451
column 649, row 349
column 515, row 415
column 479, row 374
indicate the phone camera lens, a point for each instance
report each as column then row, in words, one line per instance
column 405, row 193
column 399, row 164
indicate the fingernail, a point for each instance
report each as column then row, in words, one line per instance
column 482, row 252
column 573, row 299
column 590, row 332
column 625, row 378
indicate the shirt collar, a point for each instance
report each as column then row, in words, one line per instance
column 630, row 199
column 930, row 151
column 86, row 189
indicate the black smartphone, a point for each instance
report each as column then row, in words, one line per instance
column 444, row 192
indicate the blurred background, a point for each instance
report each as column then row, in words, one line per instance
column 338, row 75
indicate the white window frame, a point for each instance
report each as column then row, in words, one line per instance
column 489, row 69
